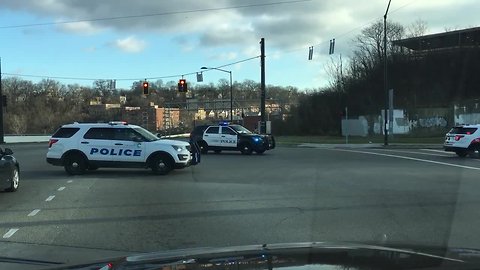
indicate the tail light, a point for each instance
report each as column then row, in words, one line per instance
column 51, row 142
column 458, row 137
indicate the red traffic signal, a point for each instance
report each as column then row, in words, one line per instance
column 182, row 85
column 145, row 88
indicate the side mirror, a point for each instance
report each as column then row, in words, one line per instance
column 8, row 151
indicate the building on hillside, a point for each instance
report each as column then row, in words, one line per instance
column 459, row 39
column 152, row 117
column 104, row 112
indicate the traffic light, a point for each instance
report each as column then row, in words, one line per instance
column 145, row 88
column 182, row 85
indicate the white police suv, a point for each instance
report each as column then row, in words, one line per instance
column 87, row 146
column 463, row 140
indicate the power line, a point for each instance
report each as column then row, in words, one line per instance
column 153, row 14
column 49, row 77
column 123, row 79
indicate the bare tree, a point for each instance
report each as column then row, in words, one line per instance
column 335, row 72
column 16, row 123
column 417, row 28
column 369, row 43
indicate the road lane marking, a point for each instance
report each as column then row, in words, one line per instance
column 412, row 152
column 61, row 188
column 10, row 233
column 33, row 213
column 437, row 151
column 69, row 181
column 409, row 158
column 447, row 152
column 49, row 198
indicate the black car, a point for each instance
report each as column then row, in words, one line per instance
column 9, row 171
column 230, row 137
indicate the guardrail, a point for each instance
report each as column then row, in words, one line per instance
column 26, row 138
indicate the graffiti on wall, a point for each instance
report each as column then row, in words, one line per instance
column 428, row 122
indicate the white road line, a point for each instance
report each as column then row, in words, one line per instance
column 10, row 233
column 61, row 188
column 437, row 151
column 411, row 152
column 409, row 158
column 33, row 213
column 453, row 154
column 69, row 181
column 50, row 198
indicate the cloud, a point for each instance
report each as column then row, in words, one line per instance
column 225, row 56
column 215, row 23
column 85, row 28
column 130, row 44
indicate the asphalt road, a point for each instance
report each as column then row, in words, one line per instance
column 286, row 195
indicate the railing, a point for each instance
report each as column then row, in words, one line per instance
column 26, row 138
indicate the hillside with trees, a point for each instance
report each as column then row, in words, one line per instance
column 430, row 79
column 41, row 107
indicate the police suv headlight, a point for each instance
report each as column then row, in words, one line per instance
column 178, row 148
column 257, row 139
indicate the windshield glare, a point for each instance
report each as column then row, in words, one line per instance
column 146, row 134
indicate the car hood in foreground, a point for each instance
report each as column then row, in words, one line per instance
column 294, row 256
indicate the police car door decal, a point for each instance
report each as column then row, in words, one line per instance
column 229, row 138
column 127, row 149
column 97, row 144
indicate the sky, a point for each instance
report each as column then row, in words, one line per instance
column 78, row 41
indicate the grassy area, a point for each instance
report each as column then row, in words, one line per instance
column 289, row 140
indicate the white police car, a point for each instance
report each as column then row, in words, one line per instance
column 82, row 146
column 230, row 137
column 463, row 140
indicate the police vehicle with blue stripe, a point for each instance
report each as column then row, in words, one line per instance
column 225, row 136
column 79, row 147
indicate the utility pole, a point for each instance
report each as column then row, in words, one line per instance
column 262, row 86
column 385, row 82
column 2, row 133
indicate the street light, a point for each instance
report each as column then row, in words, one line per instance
column 385, row 82
column 231, row 88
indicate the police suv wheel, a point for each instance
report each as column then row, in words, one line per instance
column 14, row 181
column 246, row 149
column 75, row 164
column 474, row 151
column 161, row 165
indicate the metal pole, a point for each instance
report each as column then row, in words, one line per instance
column 262, row 85
column 385, row 82
column 2, row 134
column 346, row 125
column 231, row 97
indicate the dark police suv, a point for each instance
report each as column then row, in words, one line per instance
column 230, row 137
